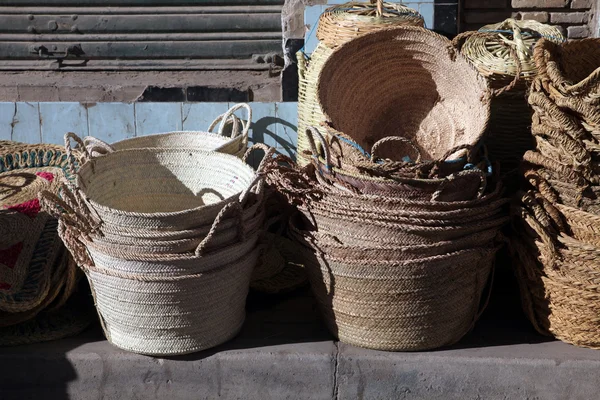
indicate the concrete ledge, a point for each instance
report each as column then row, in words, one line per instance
column 284, row 352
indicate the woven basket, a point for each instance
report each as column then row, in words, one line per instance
column 344, row 22
column 162, row 189
column 381, row 305
column 34, row 272
column 571, row 70
column 502, row 52
column 236, row 143
column 152, row 300
column 167, row 304
column 407, row 82
column 338, row 25
column 391, row 273
column 558, row 276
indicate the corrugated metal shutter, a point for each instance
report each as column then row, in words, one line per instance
column 139, row 34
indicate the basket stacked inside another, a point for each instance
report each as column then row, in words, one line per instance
column 399, row 241
column 556, row 218
column 338, row 25
column 168, row 239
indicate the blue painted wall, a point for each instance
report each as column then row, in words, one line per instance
column 273, row 123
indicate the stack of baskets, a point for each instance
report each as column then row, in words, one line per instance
column 272, row 274
column 338, row 25
column 399, row 242
column 39, row 299
column 557, row 238
column 503, row 53
column 168, row 239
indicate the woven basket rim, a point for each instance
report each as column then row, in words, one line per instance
column 210, row 154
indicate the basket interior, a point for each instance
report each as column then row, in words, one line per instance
column 163, row 180
column 403, row 82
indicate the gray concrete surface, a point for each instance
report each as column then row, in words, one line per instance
column 284, row 352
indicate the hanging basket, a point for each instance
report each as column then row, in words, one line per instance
column 407, row 82
column 338, row 25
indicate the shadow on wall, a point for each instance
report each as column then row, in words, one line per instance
column 265, row 131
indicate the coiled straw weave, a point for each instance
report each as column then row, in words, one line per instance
column 338, row 25
column 367, row 90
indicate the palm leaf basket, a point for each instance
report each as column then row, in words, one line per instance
column 338, row 25
column 503, row 53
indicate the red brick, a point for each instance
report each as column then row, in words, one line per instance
column 486, row 3
column 485, row 17
column 569, row 18
column 577, row 32
column 539, row 16
column 581, row 4
column 539, row 3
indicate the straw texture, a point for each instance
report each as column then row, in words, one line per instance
column 391, row 272
column 338, row 25
column 503, row 53
column 556, row 245
column 158, row 296
column 36, row 275
column 367, row 91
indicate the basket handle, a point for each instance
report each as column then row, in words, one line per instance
column 459, row 176
column 395, row 139
column 70, row 157
column 379, row 4
column 269, row 152
column 97, row 147
column 237, row 208
column 229, row 115
column 311, row 132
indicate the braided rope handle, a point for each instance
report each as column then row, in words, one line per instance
column 220, row 218
column 311, row 132
column 457, row 177
column 228, row 116
column 402, row 139
column 444, row 158
column 96, row 147
column 70, row 157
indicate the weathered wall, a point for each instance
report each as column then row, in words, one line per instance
column 576, row 18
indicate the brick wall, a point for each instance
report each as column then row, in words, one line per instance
column 574, row 17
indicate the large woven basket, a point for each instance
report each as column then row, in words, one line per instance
column 234, row 142
column 503, row 53
column 338, row 25
column 388, row 304
column 162, row 189
column 407, row 82
column 392, row 273
column 151, row 299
